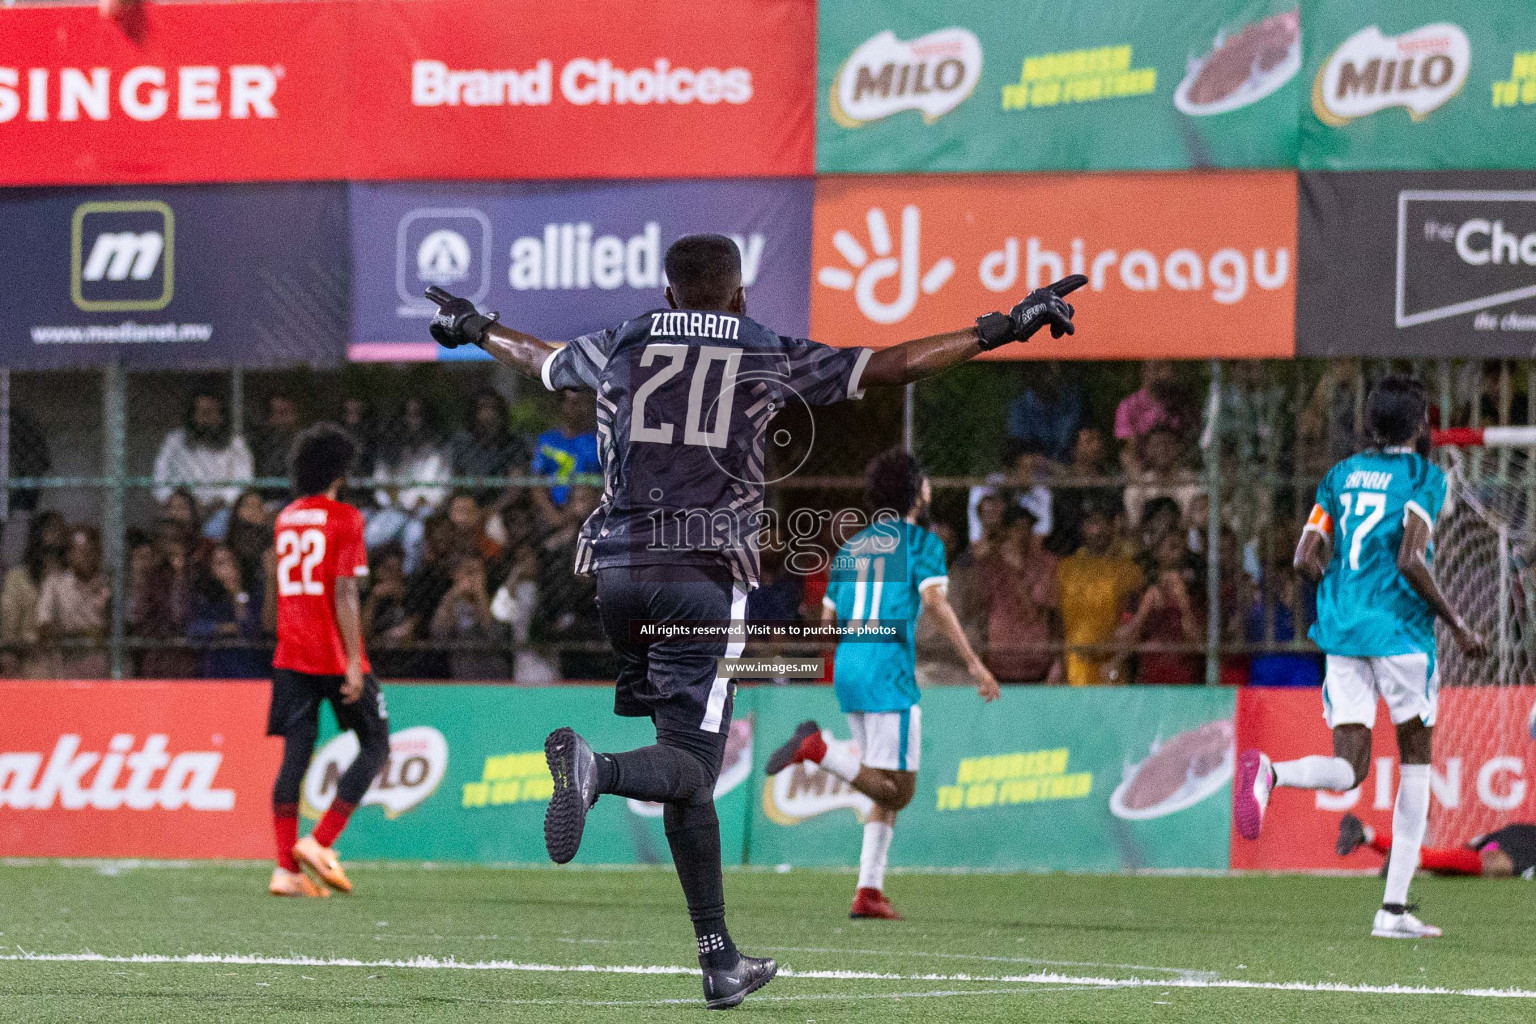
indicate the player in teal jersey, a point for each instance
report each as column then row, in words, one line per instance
column 1369, row 543
column 882, row 580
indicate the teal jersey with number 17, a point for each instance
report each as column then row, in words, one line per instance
column 1365, row 607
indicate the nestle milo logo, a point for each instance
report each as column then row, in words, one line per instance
column 1369, row 72
column 803, row 791
column 884, row 75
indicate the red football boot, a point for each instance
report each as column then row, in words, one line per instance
column 872, row 903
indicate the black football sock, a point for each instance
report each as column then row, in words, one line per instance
column 660, row 773
column 693, row 832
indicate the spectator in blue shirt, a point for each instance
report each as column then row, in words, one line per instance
column 567, row 451
column 1046, row 416
column 1291, row 609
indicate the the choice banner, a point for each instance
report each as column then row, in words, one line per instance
column 1419, row 84
column 1481, row 774
column 1180, row 265
column 178, row 276
column 561, row 259
column 135, row 769
column 332, row 89
column 1417, row 264
column 1037, row 85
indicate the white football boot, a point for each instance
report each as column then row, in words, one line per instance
column 1402, row 926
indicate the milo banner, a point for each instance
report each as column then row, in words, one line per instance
column 1419, row 84
column 1043, row 779
column 466, row 778
column 1417, row 264
column 1035, row 85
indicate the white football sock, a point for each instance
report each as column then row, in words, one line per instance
column 1315, row 772
column 1409, row 819
column 877, row 845
column 841, row 758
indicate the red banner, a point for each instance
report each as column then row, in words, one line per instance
column 135, row 769
column 217, row 92
column 616, row 89
column 1483, row 763
column 444, row 89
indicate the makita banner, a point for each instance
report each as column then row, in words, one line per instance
column 1481, row 775
column 135, row 769
column 253, row 275
column 414, row 89
column 1419, row 84
column 1417, row 264
column 559, row 260
column 1179, row 265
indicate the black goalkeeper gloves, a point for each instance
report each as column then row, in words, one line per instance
column 1042, row 306
column 457, row 321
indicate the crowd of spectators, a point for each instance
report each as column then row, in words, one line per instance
column 1082, row 560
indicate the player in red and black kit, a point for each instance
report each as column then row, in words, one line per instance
column 319, row 657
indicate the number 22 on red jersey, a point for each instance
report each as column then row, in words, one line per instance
column 317, row 540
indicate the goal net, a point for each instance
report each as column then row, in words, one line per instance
column 1485, row 562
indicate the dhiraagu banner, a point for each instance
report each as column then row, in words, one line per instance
column 1419, row 84
column 1042, row 779
column 1035, row 85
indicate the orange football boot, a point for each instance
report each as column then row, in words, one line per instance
column 321, row 862
column 295, row 883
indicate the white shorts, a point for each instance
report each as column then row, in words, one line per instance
column 1404, row 681
column 888, row 739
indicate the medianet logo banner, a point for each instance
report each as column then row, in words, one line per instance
column 135, row 769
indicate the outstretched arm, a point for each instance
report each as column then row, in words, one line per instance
column 923, row 357
column 520, row 351
column 458, row 322
column 1415, row 569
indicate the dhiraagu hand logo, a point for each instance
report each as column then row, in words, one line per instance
column 887, row 263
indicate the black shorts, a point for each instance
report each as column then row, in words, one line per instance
column 674, row 682
column 296, row 698
column 1518, row 843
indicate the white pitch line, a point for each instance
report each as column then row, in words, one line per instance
column 1037, row 978
column 820, row 997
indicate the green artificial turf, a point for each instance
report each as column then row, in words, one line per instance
column 1159, row 929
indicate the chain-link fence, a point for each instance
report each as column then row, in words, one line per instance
column 1086, row 507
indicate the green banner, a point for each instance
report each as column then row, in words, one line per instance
column 1419, row 84
column 466, row 778
column 1045, row 778
column 1036, row 85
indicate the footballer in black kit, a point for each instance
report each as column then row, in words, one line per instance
column 684, row 396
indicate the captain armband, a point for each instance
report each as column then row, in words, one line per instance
column 1319, row 522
